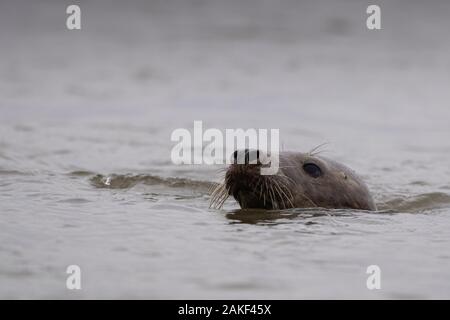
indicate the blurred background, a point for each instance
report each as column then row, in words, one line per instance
column 80, row 106
column 301, row 66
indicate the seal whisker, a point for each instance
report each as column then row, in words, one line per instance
column 315, row 151
column 279, row 195
column 268, row 192
column 216, row 189
column 287, row 178
column 307, row 198
column 213, row 186
column 284, row 180
column 216, row 195
column 218, row 201
column 285, row 189
column 281, row 188
column 277, row 188
column 290, row 197
column 213, row 195
column 221, row 170
column 272, row 195
column 224, row 198
column 260, row 190
column 264, row 194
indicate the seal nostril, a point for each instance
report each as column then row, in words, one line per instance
column 240, row 157
column 235, row 156
column 246, row 156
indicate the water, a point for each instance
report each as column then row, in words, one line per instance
column 85, row 170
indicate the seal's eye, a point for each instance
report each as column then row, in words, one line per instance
column 312, row 169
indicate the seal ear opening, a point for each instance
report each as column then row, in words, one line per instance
column 312, row 169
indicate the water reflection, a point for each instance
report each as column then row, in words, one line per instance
column 273, row 217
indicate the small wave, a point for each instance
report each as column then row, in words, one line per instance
column 75, row 201
column 118, row 181
column 417, row 203
column 12, row 173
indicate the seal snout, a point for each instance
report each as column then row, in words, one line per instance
column 243, row 174
column 250, row 188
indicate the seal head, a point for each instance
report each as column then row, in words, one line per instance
column 304, row 180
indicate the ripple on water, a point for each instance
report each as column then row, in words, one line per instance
column 5, row 172
column 118, row 181
column 75, row 201
column 418, row 203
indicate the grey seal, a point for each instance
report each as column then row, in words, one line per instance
column 304, row 180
